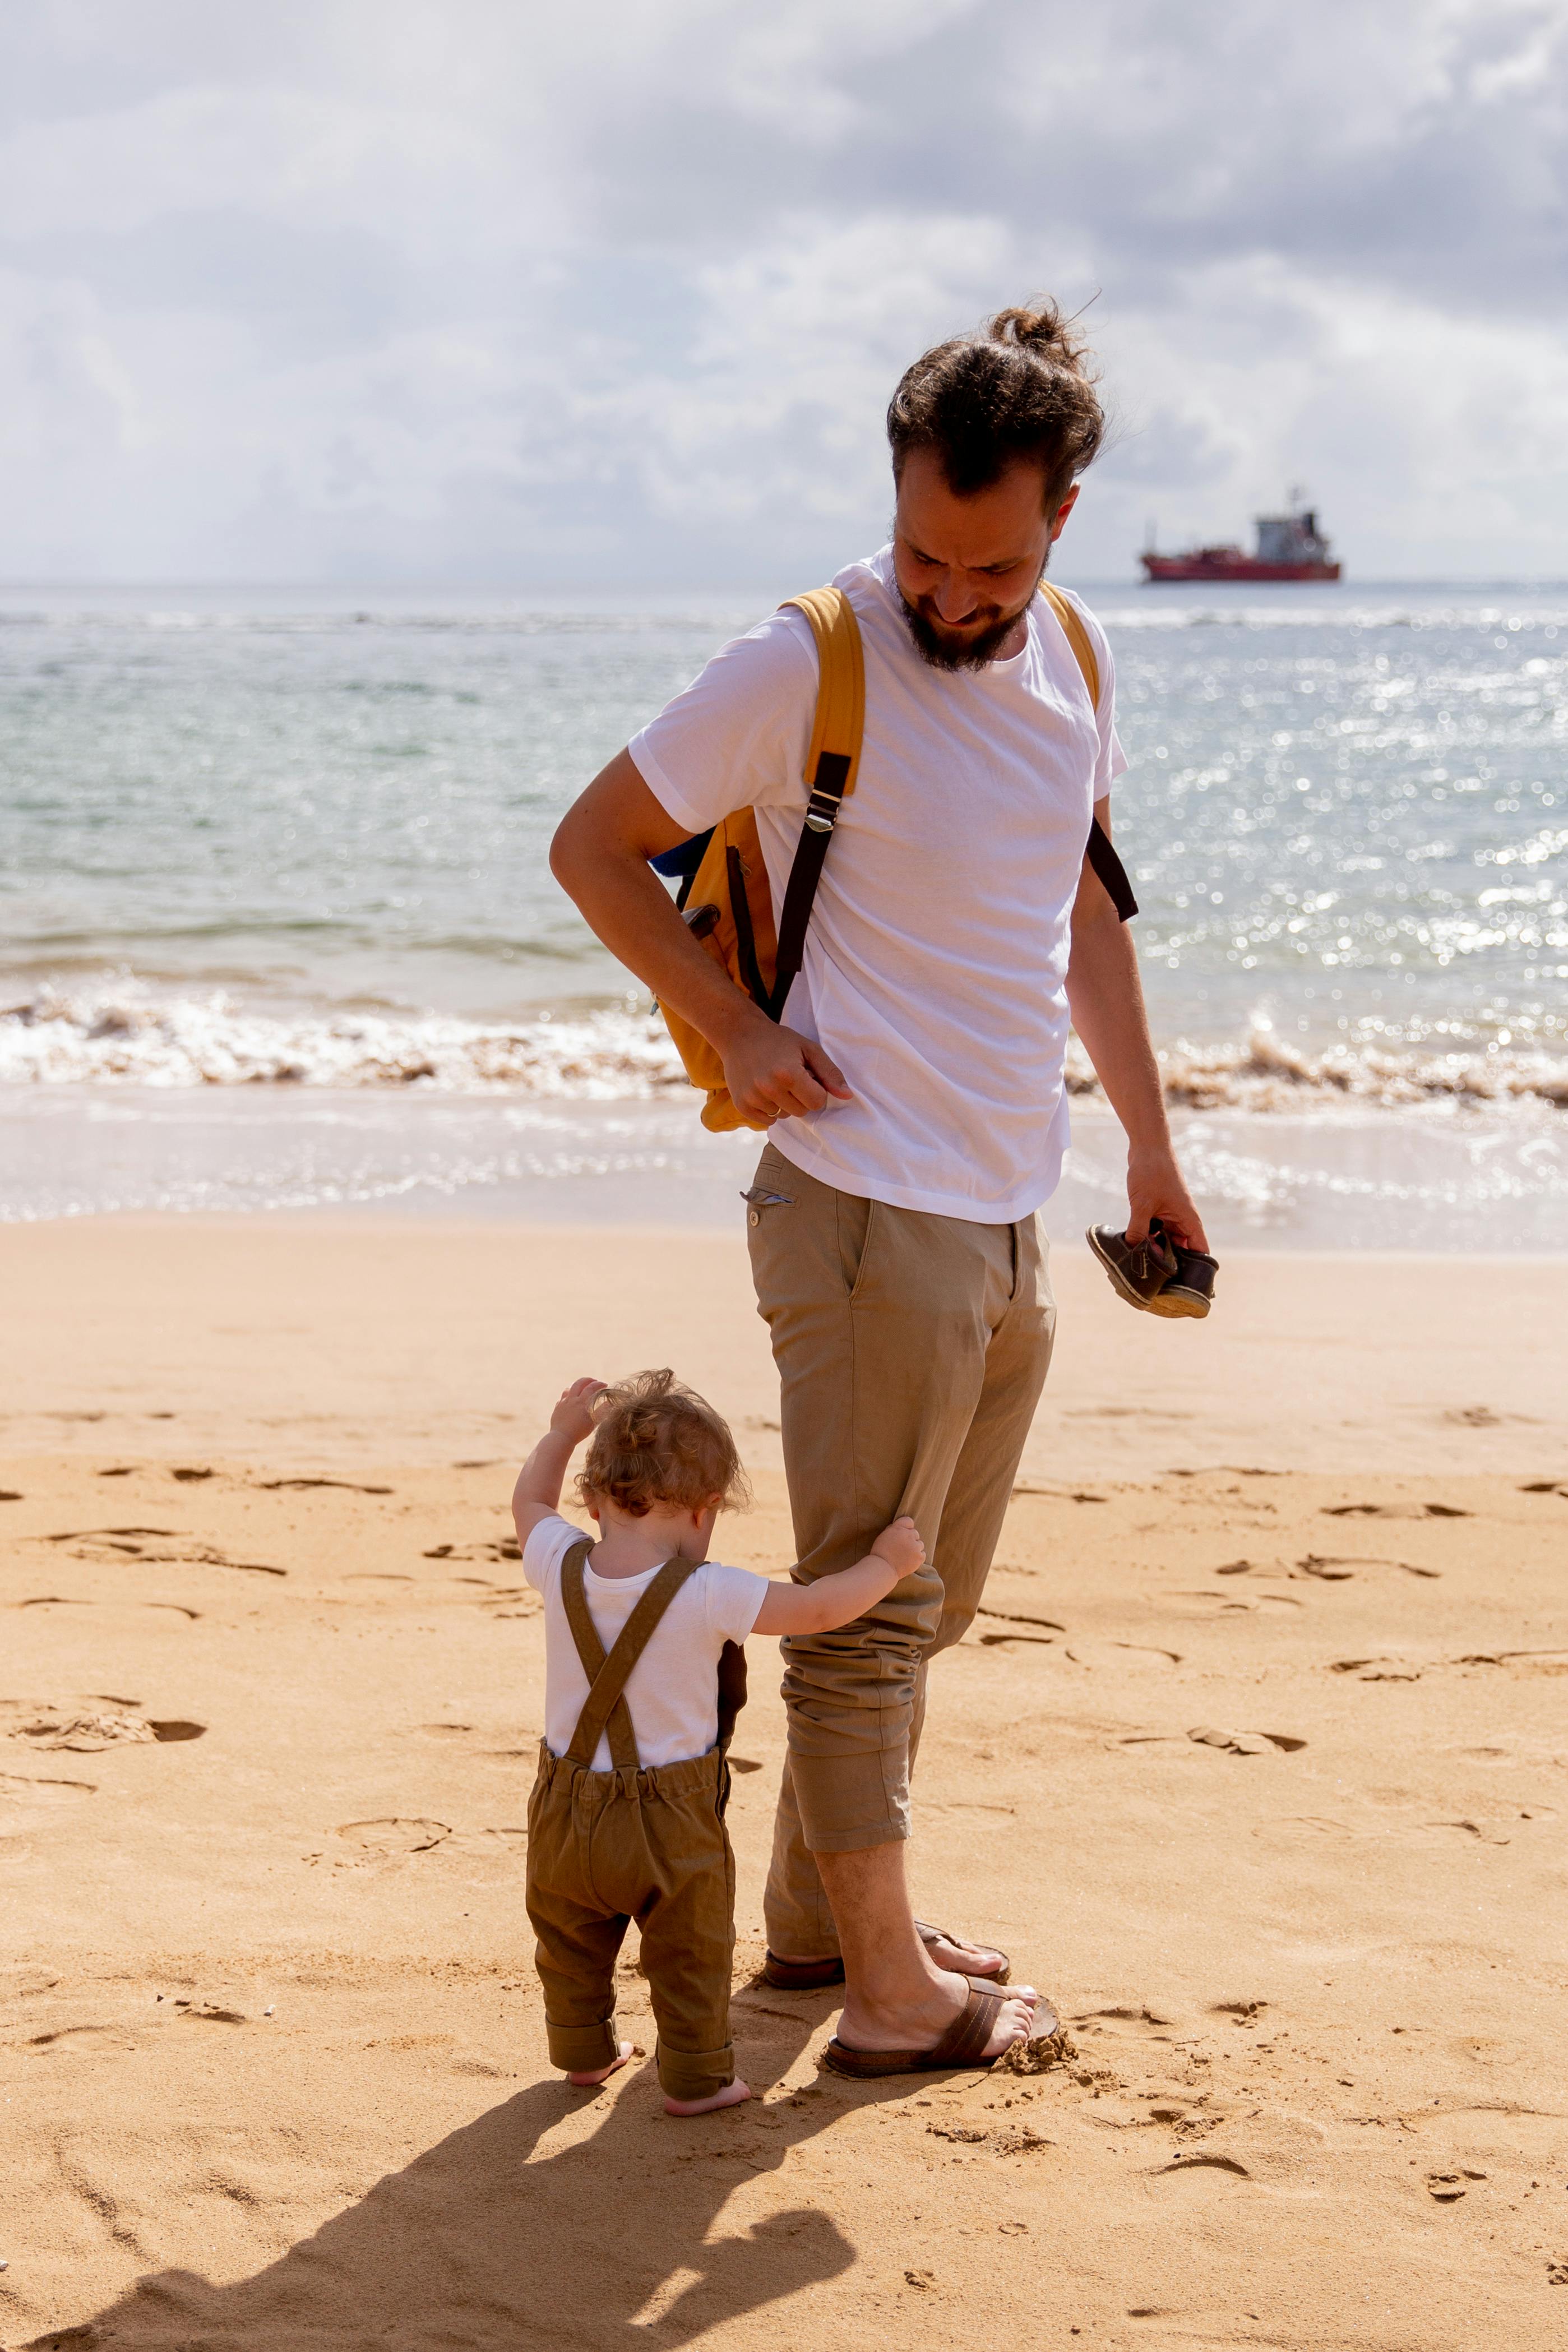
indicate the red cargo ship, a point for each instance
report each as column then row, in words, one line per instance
column 1289, row 547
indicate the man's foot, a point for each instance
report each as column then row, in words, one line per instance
column 960, row 1956
column 795, row 1972
column 602, row 2073
column 922, row 2024
column 730, row 2097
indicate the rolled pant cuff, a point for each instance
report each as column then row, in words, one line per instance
column 858, row 1841
column 579, row 2049
column 695, row 2073
column 854, row 1798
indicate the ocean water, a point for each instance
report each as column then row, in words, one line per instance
column 276, row 925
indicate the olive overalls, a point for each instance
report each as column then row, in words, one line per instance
column 642, row 1843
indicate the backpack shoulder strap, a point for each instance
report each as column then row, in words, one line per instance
column 1100, row 853
column 1077, row 636
column 605, row 1709
column 832, row 764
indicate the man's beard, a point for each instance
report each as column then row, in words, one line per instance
column 942, row 652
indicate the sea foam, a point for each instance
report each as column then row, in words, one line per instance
column 109, row 1033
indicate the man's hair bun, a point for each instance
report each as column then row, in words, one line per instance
column 1046, row 329
column 1020, row 389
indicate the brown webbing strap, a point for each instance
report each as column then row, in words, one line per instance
column 605, row 1709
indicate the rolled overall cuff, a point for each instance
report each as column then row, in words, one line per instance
column 582, row 2049
column 695, row 2073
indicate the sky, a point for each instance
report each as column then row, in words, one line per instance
column 486, row 292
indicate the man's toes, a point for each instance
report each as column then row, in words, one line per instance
column 1013, row 2022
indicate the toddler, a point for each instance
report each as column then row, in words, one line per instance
column 626, row 1819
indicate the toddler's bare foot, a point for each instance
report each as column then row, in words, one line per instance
column 602, row 2073
column 730, row 2097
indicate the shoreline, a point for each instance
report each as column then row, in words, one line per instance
column 1329, row 1177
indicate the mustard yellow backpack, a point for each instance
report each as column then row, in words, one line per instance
column 724, row 892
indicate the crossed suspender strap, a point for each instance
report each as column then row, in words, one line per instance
column 606, row 1710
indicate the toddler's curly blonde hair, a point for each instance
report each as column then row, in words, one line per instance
column 656, row 1441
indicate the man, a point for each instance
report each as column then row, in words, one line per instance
column 914, row 1092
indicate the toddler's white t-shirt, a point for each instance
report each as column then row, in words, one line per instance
column 672, row 1689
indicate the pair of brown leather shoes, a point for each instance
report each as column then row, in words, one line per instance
column 1159, row 1275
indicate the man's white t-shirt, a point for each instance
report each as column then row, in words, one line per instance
column 936, row 962
column 673, row 1690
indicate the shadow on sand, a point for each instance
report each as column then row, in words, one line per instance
column 489, row 2240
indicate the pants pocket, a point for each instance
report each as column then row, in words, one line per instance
column 856, row 1222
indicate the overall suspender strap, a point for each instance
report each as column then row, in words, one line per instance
column 606, row 1710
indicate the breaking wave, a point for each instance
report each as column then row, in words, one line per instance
column 126, row 1034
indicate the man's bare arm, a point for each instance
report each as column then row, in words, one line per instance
column 599, row 856
column 1106, row 998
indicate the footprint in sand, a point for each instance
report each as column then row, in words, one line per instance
column 1290, row 1827
column 394, row 1836
column 1395, row 1511
column 1202, row 2164
column 1448, row 2187
column 86, row 1730
column 1123, row 2019
column 488, row 1548
column 1017, row 1617
column 1331, row 1569
column 304, row 1485
column 65, row 1601
column 26, row 1803
column 154, row 1545
column 1121, row 1656
column 83, row 2040
column 1518, row 1661
column 1245, row 1743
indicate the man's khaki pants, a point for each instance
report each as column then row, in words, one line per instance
column 911, row 1350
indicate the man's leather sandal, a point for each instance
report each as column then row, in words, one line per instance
column 963, row 2044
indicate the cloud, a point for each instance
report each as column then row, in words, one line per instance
column 476, row 292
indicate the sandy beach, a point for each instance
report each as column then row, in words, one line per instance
column 1257, row 1763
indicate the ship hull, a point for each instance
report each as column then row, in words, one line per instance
column 1219, row 570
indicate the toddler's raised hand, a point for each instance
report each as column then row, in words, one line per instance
column 571, row 1417
column 901, row 1546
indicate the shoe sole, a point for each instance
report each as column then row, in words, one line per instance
column 1177, row 1303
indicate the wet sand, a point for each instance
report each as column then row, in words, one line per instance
column 1257, row 1762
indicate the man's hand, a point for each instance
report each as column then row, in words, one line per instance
column 1154, row 1188
column 772, row 1073
column 572, row 1418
